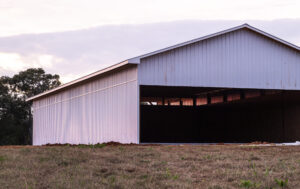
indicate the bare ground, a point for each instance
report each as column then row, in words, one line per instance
column 150, row 166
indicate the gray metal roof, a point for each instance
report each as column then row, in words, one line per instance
column 136, row 60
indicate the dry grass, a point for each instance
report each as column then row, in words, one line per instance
column 126, row 166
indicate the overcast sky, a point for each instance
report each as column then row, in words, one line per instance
column 76, row 37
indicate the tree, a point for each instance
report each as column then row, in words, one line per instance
column 33, row 81
column 15, row 112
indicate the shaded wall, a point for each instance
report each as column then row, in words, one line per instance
column 274, row 118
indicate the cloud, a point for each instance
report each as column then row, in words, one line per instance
column 10, row 63
column 36, row 16
column 75, row 53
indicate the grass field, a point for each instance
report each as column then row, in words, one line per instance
column 146, row 166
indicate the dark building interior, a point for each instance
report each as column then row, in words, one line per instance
column 218, row 115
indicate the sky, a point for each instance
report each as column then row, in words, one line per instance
column 75, row 37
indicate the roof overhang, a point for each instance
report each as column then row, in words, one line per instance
column 82, row 79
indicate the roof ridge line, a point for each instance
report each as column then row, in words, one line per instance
column 245, row 25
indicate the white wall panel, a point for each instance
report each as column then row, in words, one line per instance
column 239, row 59
column 101, row 110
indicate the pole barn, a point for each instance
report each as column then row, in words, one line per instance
column 237, row 85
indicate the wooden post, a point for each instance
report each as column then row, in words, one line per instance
column 194, row 101
column 283, row 115
column 181, row 103
column 163, row 101
column 242, row 94
column 225, row 99
column 208, row 99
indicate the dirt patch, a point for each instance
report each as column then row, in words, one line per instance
column 104, row 144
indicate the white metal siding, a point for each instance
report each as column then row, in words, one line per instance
column 99, row 111
column 239, row 59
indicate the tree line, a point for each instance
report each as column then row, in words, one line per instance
column 15, row 112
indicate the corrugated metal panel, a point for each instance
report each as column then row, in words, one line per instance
column 239, row 59
column 99, row 111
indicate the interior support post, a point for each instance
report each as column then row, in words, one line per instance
column 242, row 94
column 194, row 101
column 208, row 99
column 225, row 97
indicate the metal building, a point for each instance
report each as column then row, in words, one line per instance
column 237, row 85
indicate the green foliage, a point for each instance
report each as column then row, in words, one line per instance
column 207, row 157
column 2, row 159
column 144, row 176
column 170, row 175
column 246, row 183
column 267, row 172
column 15, row 113
column 249, row 184
column 99, row 145
column 112, row 179
column 92, row 145
column 121, row 148
column 281, row 183
column 33, row 81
